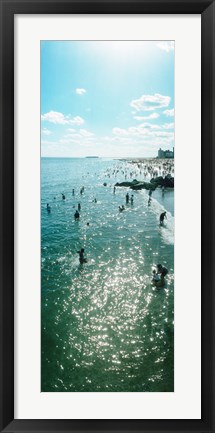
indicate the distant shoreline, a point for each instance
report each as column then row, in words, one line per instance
column 120, row 158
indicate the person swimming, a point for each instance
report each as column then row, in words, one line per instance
column 81, row 256
column 76, row 215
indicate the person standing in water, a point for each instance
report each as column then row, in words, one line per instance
column 76, row 215
column 63, row 197
column 127, row 198
column 81, row 256
column 162, row 270
column 162, row 216
column 155, row 277
column 48, row 208
column 79, row 206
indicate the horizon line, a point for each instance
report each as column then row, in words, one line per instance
column 96, row 157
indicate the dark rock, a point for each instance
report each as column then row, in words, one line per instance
column 157, row 180
column 143, row 185
column 167, row 182
column 136, row 185
column 126, row 183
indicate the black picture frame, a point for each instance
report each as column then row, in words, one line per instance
column 7, row 11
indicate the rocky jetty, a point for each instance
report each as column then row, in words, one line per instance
column 135, row 185
column 159, row 181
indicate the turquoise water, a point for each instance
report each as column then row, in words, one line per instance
column 104, row 327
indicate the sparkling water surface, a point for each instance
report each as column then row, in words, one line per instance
column 104, row 327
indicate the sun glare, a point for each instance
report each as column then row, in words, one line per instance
column 125, row 50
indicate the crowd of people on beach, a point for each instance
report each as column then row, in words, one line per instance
column 150, row 168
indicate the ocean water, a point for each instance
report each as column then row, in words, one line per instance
column 104, row 326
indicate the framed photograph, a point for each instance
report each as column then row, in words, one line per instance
column 107, row 113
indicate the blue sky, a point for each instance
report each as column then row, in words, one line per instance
column 105, row 98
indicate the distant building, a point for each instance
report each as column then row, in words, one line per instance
column 166, row 153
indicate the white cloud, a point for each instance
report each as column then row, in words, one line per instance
column 119, row 131
column 82, row 137
column 169, row 113
column 168, row 126
column 148, row 126
column 166, row 45
column 46, row 131
column 69, row 140
column 164, row 134
column 86, row 133
column 61, row 119
column 77, row 120
column 143, row 129
column 80, row 91
column 72, row 136
column 73, row 133
column 164, row 141
column 150, row 138
column 150, row 102
column 119, row 139
column 144, row 133
column 151, row 116
column 55, row 117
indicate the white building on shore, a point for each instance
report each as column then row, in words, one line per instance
column 165, row 153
